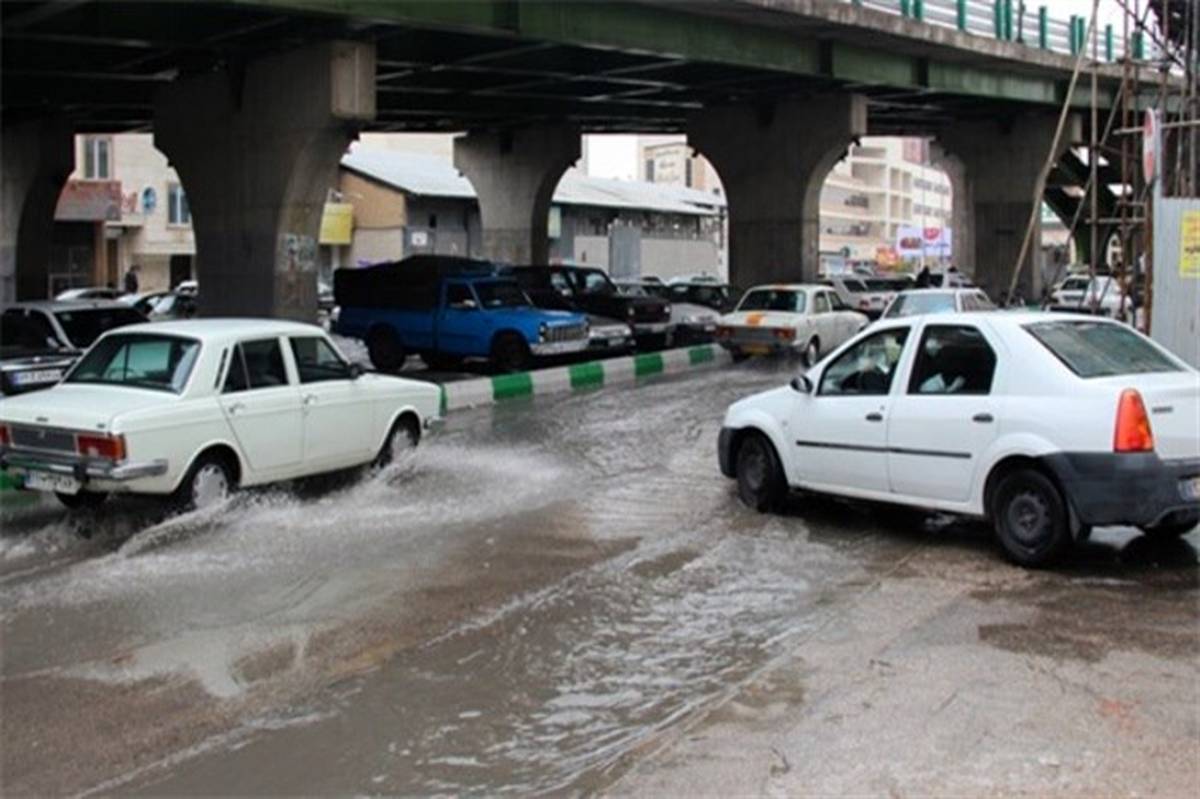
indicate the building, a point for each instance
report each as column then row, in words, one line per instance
column 123, row 205
column 403, row 202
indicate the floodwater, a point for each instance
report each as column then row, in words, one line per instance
column 538, row 600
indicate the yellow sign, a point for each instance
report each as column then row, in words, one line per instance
column 1189, row 245
column 337, row 223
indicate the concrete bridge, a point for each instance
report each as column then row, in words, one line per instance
column 254, row 102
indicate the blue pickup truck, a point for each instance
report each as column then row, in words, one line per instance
column 447, row 310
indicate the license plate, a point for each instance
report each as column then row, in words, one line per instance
column 756, row 349
column 40, row 481
column 41, row 376
column 1190, row 488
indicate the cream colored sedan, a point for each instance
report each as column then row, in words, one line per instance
column 195, row 409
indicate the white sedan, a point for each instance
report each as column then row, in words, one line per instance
column 1046, row 424
column 791, row 318
column 195, row 409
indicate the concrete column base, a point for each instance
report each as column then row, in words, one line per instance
column 257, row 151
column 38, row 157
column 514, row 174
column 773, row 163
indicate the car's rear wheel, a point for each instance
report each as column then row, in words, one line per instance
column 738, row 355
column 385, row 349
column 812, row 353
column 207, row 484
column 510, row 353
column 402, row 438
column 760, row 480
column 1030, row 518
column 84, row 500
column 1174, row 527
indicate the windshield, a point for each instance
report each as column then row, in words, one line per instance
column 594, row 282
column 916, row 304
column 1099, row 349
column 772, row 300
column 138, row 360
column 26, row 335
column 501, row 294
column 86, row 325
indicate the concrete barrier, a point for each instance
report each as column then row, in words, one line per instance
column 579, row 376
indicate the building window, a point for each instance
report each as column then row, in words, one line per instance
column 97, row 158
column 687, row 172
column 178, row 212
column 433, row 221
column 649, row 170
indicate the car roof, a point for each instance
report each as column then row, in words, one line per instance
column 224, row 328
column 788, row 287
column 65, row 305
column 949, row 290
column 997, row 317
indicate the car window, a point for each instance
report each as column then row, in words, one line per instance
column 773, row 300
column 139, row 361
column 867, row 368
column 236, row 379
column 1075, row 284
column 264, row 363
column 457, row 294
column 854, row 286
column 953, row 359
column 593, row 282
column 821, row 302
column 836, row 303
column 561, row 283
column 1100, row 349
column 316, row 360
column 27, row 333
column 500, row 294
column 915, row 303
column 85, row 325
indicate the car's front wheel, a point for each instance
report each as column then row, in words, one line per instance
column 84, row 500
column 402, row 438
column 1030, row 517
column 207, row 484
column 760, row 480
column 510, row 353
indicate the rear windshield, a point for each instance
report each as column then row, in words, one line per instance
column 772, row 300
column 916, row 304
column 26, row 335
column 139, row 361
column 1100, row 349
column 87, row 324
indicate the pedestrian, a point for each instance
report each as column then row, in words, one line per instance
column 923, row 278
column 131, row 280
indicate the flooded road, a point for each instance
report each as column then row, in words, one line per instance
column 564, row 596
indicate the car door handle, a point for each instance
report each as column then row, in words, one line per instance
column 236, row 408
column 874, row 417
column 309, row 399
column 983, row 418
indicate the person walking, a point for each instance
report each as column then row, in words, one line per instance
column 131, row 280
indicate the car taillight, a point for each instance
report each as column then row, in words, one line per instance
column 724, row 332
column 1133, row 433
column 785, row 333
column 110, row 447
column 5, row 436
column 864, row 303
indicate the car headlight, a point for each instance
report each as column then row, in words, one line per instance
column 667, row 310
column 630, row 312
column 542, row 330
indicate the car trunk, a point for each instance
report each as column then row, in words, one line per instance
column 82, row 407
column 1173, row 401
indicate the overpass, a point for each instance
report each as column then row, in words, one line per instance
column 254, row 102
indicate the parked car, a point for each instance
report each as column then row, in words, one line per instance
column 197, row 409
column 590, row 290
column 1081, row 293
column 916, row 302
column 446, row 310
column 795, row 319
column 31, row 356
column 169, row 306
column 855, row 293
column 721, row 297
column 1044, row 424
column 187, row 287
column 90, row 293
column 69, row 326
column 693, row 324
column 950, row 279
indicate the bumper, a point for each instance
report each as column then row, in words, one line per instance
column 81, row 469
column 651, row 328
column 725, row 451
column 1138, row 489
column 759, row 347
column 433, row 423
column 558, row 347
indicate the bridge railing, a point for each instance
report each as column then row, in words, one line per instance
column 1021, row 21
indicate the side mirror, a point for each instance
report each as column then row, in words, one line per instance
column 801, row 384
column 356, row 371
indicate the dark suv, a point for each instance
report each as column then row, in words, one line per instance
column 590, row 290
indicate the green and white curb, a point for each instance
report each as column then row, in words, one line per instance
column 579, row 376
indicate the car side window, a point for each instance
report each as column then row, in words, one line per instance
column 836, row 303
column 458, row 295
column 235, row 378
column 264, row 363
column 953, row 359
column 561, row 283
column 316, row 360
column 867, row 368
column 821, row 303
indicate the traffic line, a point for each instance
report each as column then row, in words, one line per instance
column 578, row 377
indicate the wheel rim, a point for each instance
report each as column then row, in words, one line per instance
column 209, row 487
column 402, row 442
column 812, row 352
column 1028, row 517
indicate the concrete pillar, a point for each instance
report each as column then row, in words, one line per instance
column 773, row 162
column 257, row 149
column 37, row 158
column 1001, row 160
column 962, row 208
column 514, row 173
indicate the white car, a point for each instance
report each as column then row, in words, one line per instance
column 915, row 302
column 1085, row 294
column 90, row 293
column 1045, row 424
column 792, row 318
column 195, row 409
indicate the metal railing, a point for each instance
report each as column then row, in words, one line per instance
column 1025, row 22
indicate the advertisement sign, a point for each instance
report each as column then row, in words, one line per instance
column 1189, row 245
column 931, row 242
column 887, row 257
column 337, row 223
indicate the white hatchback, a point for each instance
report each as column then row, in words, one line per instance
column 194, row 409
column 1046, row 424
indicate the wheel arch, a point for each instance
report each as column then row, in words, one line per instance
column 772, row 434
column 404, row 414
column 1016, row 462
column 225, row 451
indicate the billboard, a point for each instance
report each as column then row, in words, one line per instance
column 930, row 242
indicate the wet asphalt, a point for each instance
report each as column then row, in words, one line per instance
column 564, row 596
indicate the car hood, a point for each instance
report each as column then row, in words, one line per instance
column 543, row 315
column 683, row 310
column 761, row 319
column 79, row 406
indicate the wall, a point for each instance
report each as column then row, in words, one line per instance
column 1175, row 307
column 667, row 258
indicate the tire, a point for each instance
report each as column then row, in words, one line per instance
column 404, row 436
column 1030, row 517
column 760, row 481
column 1174, row 528
column 510, row 353
column 385, row 349
column 207, row 484
column 84, row 500
column 812, row 353
column 441, row 362
column 738, row 356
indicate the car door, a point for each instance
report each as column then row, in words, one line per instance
column 839, row 430
column 336, row 410
column 944, row 419
column 262, row 407
column 459, row 325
